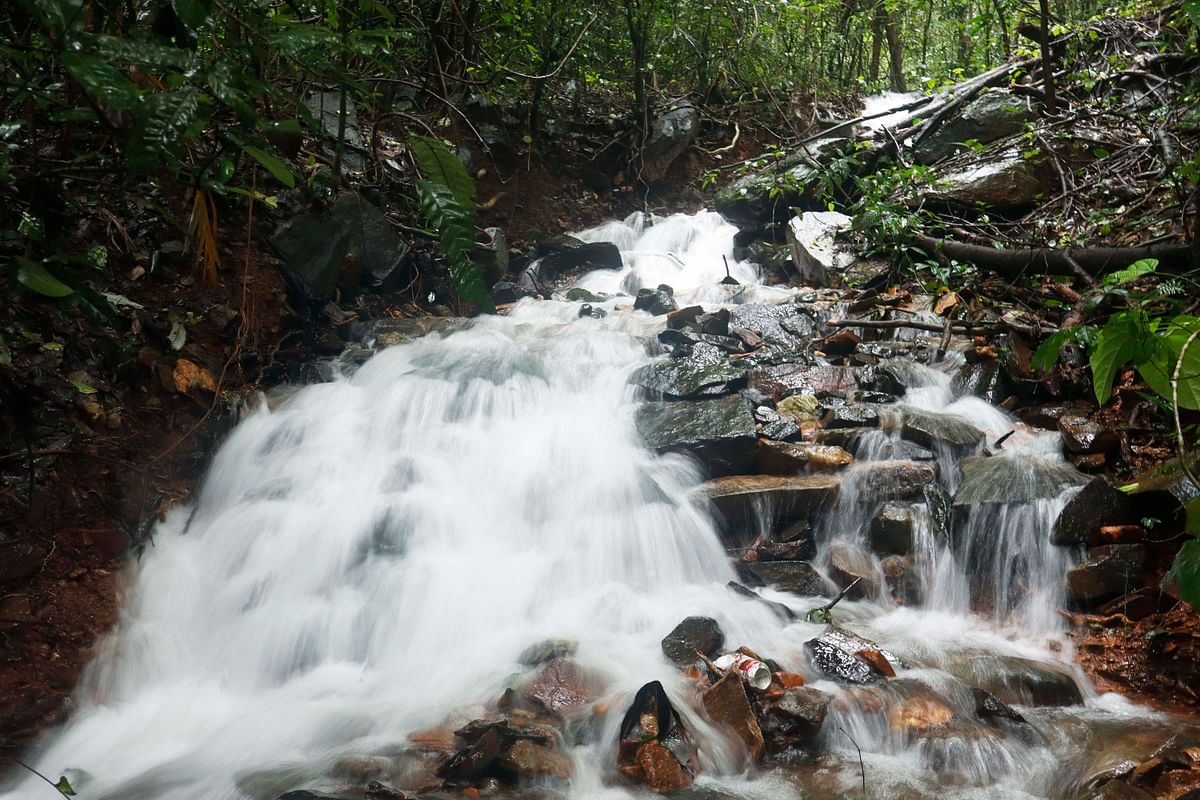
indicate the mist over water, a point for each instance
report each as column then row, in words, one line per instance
column 368, row 558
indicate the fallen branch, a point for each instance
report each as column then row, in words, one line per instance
column 1093, row 261
column 957, row 327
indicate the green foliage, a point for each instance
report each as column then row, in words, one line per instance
column 1185, row 571
column 439, row 164
column 452, row 221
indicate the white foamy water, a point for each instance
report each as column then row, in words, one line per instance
column 368, row 559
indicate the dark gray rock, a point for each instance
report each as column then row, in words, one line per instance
column 1096, row 505
column 852, row 566
column 780, row 325
column 1046, row 415
column 780, row 610
column 347, row 245
column 564, row 254
column 896, row 376
column 506, row 292
column 833, row 654
column 876, row 481
column 1083, row 436
column 1006, row 182
column 1001, row 479
column 903, row 579
column 1108, row 571
column 719, row 433
column 984, row 379
column 794, row 719
column 577, row 295
column 1019, row 681
column 588, row 310
column 891, row 529
column 934, row 431
column 545, row 651
column 992, row 115
column 670, row 135
column 740, row 500
column 851, row 416
column 782, row 380
column 655, row 301
column 693, row 634
column 685, row 378
column 797, row 577
column 19, row 560
column 783, row 429
column 754, row 199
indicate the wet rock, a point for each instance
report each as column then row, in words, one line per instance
column 896, row 376
column 787, row 458
column 1082, row 435
column 917, row 711
column 577, row 295
column 727, row 704
column 739, row 498
column 840, row 343
column 305, row 794
column 531, row 761
column 794, row 719
column 562, row 686
column 877, row 661
column 757, row 398
column 349, row 244
column 753, row 200
column 1012, row 480
column 796, row 379
column 796, row 577
column 799, row 549
column 670, row 135
column 891, row 529
column 849, row 563
column 694, row 634
column 834, row 653
column 783, row 429
column 1108, row 571
column 983, row 379
column 657, row 768
column 783, row 326
column 588, row 310
column 1046, row 416
column 565, row 254
column 988, row 706
column 800, row 407
column 684, row 378
column 506, row 292
column 811, row 235
column 1019, row 681
column 654, row 748
column 719, row 433
column 387, row 332
column 863, row 416
column 547, row 650
column 1118, row 790
column 903, row 580
column 992, row 115
column 655, row 301
column 780, row 610
column 932, row 430
column 471, row 762
column 1094, row 506
column 1005, row 182
column 889, row 480
column 326, row 108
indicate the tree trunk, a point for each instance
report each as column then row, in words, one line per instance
column 876, row 43
column 892, row 27
column 1047, row 62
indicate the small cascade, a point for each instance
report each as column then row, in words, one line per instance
column 469, row 551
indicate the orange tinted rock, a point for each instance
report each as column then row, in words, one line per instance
column 662, row 771
column 727, row 704
column 789, row 680
column 878, row 662
column 562, row 686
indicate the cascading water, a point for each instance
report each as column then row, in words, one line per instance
column 368, row 558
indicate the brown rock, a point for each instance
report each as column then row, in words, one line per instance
column 919, row 715
column 793, row 719
column 529, row 760
column 1122, row 534
column 189, row 375
column 660, row 770
column 877, row 661
column 888, row 480
column 788, row 680
column 737, row 497
column 727, row 705
column 790, row 458
column 562, row 686
column 1082, row 435
column 848, row 563
column 842, row 343
column 777, row 380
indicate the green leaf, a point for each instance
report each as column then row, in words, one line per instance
column 440, row 165
column 1158, row 369
column 131, row 52
column 453, row 222
column 101, row 80
column 1046, row 356
column 273, row 165
column 1116, row 344
column 1131, row 273
column 161, row 127
column 224, row 84
column 83, row 388
column 33, row 275
column 64, row 786
column 192, row 12
column 1185, row 572
column 58, row 15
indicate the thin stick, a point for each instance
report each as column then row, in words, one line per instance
column 862, row 768
column 43, row 777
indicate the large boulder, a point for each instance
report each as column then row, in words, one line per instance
column 890, row 480
column 795, row 577
column 740, row 499
column 1007, row 182
column 770, row 194
column 719, row 433
column 348, row 244
column 1108, row 571
column 1019, row 681
column 1093, row 507
column 529, row 761
column 891, row 530
column 1082, row 436
column 992, row 115
column 786, row 379
column 1013, row 480
column 566, row 255
column 727, row 704
column 811, row 235
column 852, row 566
column 783, row 326
column 670, row 135
column 939, row 431
column 846, row 657
column 793, row 719
column 685, row 378
column 562, row 686
column 693, row 635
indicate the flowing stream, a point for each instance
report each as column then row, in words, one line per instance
column 367, row 558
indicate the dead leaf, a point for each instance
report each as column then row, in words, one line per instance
column 189, row 375
column 945, row 302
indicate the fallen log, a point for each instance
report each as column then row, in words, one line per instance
column 1094, row 261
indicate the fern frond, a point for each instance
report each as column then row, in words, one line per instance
column 447, row 215
column 440, row 165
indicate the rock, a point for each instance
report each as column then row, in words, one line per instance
column 754, row 199
column 739, row 499
column 835, row 654
column 1046, row 415
column 800, row 407
column 388, row 331
column 780, row 610
column 653, row 748
column 659, row 769
column 1094, row 506
column 531, row 761
column 546, row 650
column 564, row 254
column 889, row 480
column 794, row 719
column 1108, row 571
column 863, row 416
column 877, row 662
column 587, row 310
column 840, row 343
column 694, row 634
column 1005, row 182
column 670, row 135
column 983, row 379
column 1000, row 479
column 782, row 429
column 988, row 706
column 341, row 247
column 655, row 301
column 727, row 705
column 903, row 580
column 849, row 563
column 796, row 577
column 719, row 433
column 896, row 376
column 471, row 762
column 506, row 292
column 1081, row 435
column 919, row 712
column 305, row 794
column 800, row 549
column 685, row 378
column 934, row 431
column 801, row 379
column 491, row 256
column 811, row 236
column 891, row 529
column 577, row 295
column 326, row 107
column 1019, row 681
column 788, row 458
column 783, row 326
column 562, row 686
column 1119, row 790
column 992, row 115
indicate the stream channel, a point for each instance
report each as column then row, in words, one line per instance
column 369, row 557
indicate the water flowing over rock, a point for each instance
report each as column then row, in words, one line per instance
column 726, row 704
column 694, row 635
column 794, row 719
column 683, row 378
column 796, row 577
column 751, row 201
column 737, row 498
column 719, row 433
column 811, row 236
column 787, row 458
column 931, row 430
